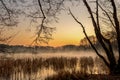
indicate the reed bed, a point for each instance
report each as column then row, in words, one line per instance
column 19, row 69
column 66, row 75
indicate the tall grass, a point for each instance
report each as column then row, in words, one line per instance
column 66, row 75
column 27, row 69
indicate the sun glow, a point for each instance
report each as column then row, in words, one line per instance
column 67, row 31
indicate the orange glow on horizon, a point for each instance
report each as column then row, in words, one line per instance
column 56, row 42
column 68, row 31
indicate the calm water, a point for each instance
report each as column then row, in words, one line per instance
column 28, row 66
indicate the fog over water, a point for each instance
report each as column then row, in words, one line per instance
column 77, row 54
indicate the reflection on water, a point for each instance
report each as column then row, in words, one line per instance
column 26, row 66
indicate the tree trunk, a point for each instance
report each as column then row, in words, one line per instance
column 105, row 43
column 115, row 70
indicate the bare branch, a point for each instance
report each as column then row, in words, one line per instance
column 89, row 39
column 44, row 33
column 117, row 26
column 97, row 15
column 107, row 15
column 8, row 11
column 101, row 38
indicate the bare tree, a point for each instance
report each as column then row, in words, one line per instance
column 111, row 16
column 41, row 12
column 48, row 13
column 85, row 42
column 44, row 11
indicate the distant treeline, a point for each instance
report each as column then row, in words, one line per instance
column 43, row 49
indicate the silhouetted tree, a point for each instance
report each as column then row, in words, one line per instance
column 85, row 42
column 8, row 17
column 38, row 11
column 44, row 11
column 41, row 12
column 109, row 15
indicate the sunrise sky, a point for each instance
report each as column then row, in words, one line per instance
column 67, row 30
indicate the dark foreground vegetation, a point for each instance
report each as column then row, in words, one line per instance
column 83, row 68
column 65, row 75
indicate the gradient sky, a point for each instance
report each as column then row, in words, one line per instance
column 67, row 30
